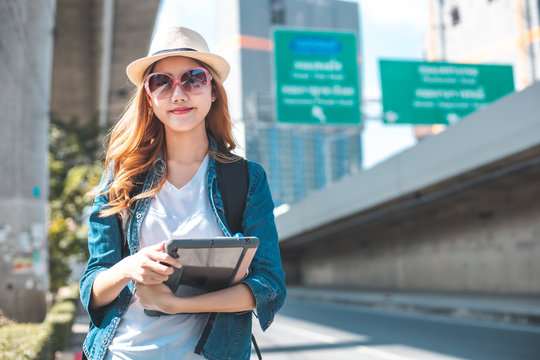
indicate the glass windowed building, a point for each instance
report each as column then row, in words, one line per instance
column 297, row 158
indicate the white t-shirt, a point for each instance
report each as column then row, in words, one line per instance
column 174, row 213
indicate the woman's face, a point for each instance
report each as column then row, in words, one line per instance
column 181, row 109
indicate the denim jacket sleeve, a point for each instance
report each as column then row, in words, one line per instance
column 104, row 244
column 266, row 276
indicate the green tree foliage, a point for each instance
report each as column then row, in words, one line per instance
column 74, row 170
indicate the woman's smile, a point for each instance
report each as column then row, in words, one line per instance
column 181, row 110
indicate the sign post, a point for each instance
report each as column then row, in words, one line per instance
column 316, row 77
column 417, row 93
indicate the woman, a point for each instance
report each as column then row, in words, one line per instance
column 175, row 128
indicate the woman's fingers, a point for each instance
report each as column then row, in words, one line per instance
column 161, row 268
column 157, row 253
column 149, row 280
column 158, row 267
column 166, row 259
column 150, row 265
column 154, row 297
column 150, row 276
column 158, row 247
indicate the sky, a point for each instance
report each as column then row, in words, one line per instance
column 389, row 29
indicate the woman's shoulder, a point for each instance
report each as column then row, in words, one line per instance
column 258, row 181
column 255, row 169
column 252, row 165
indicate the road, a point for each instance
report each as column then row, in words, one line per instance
column 306, row 330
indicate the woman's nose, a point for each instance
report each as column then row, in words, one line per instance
column 178, row 93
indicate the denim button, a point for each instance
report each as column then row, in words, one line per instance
column 135, row 249
column 139, row 215
column 105, row 342
column 268, row 323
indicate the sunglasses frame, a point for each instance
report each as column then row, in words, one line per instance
column 176, row 81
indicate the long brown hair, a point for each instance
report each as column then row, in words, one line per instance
column 138, row 138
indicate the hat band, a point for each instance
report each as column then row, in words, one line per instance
column 172, row 50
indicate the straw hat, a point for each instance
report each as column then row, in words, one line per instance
column 178, row 41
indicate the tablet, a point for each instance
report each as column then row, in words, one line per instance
column 211, row 263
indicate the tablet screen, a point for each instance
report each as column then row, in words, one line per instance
column 211, row 263
column 209, row 269
column 214, row 257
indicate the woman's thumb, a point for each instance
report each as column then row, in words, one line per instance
column 160, row 246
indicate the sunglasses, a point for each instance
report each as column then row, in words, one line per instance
column 192, row 81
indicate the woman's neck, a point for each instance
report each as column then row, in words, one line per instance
column 186, row 148
column 185, row 153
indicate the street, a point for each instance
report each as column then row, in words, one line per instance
column 311, row 330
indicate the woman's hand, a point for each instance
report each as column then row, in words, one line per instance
column 143, row 267
column 148, row 265
column 156, row 297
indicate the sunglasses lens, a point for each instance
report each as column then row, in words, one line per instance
column 160, row 84
column 194, row 80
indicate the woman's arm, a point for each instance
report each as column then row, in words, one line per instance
column 143, row 267
column 159, row 297
column 266, row 277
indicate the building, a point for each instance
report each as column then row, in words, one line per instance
column 298, row 158
column 491, row 31
column 27, row 29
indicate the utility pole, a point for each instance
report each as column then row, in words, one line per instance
column 442, row 30
column 530, row 41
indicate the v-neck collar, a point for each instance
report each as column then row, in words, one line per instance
column 202, row 168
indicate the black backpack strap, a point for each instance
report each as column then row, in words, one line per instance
column 256, row 347
column 233, row 183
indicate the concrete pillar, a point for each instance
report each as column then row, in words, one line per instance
column 26, row 48
column 77, row 51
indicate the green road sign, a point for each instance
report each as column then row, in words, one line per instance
column 416, row 92
column 316, row 77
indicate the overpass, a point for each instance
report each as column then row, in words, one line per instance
column 459, row 212
column 94, row 41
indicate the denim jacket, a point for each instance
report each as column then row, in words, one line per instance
column 225, row 335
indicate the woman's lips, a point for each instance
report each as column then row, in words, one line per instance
column 182, row 110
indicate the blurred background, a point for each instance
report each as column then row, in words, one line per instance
column 401, row 141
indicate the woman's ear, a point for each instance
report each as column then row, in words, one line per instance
column 213, row 98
